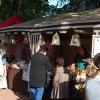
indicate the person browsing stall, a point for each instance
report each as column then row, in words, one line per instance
column 40, row 64
column 92, row 86
column 60, row 88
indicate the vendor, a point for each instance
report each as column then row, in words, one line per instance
column 80, row 63
column 12, row 62
column 80, row 57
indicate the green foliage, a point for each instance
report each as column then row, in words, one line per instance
column 79, row 5
column 30, row 9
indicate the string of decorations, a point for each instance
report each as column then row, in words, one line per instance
column 13, row 38
column 23, row 38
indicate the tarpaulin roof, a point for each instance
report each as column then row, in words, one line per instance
column 11, row 21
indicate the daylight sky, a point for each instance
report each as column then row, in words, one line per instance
column 54, row 2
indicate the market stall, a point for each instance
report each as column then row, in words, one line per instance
column 41, row 31
column 16, row 45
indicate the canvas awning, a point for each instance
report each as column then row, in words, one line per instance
column 87, row 19
column 11, row 21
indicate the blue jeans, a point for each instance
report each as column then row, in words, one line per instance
column 36, row 93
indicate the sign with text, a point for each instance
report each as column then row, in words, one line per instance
column 95, row 45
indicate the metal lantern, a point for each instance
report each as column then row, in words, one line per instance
column 12, row 38
column 55, row 39
column 75, row 40
column 6, row 38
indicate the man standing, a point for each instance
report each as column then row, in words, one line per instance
column 40, row 64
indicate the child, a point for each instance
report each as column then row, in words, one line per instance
column 60, row 82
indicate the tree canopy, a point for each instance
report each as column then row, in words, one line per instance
column 30, row 9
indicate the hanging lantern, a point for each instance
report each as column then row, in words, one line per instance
column 15, row 33
column 1, row 38
column 55, row 39
column 75, row 41
column 12, row 38
column 41, row 40
column 6, row 38
column 25, row 39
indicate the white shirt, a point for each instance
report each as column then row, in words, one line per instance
column 93, row 88
column 1, row 66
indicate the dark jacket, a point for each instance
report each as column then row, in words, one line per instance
column 39, row 65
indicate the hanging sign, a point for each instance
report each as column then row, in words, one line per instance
column 95, row 45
